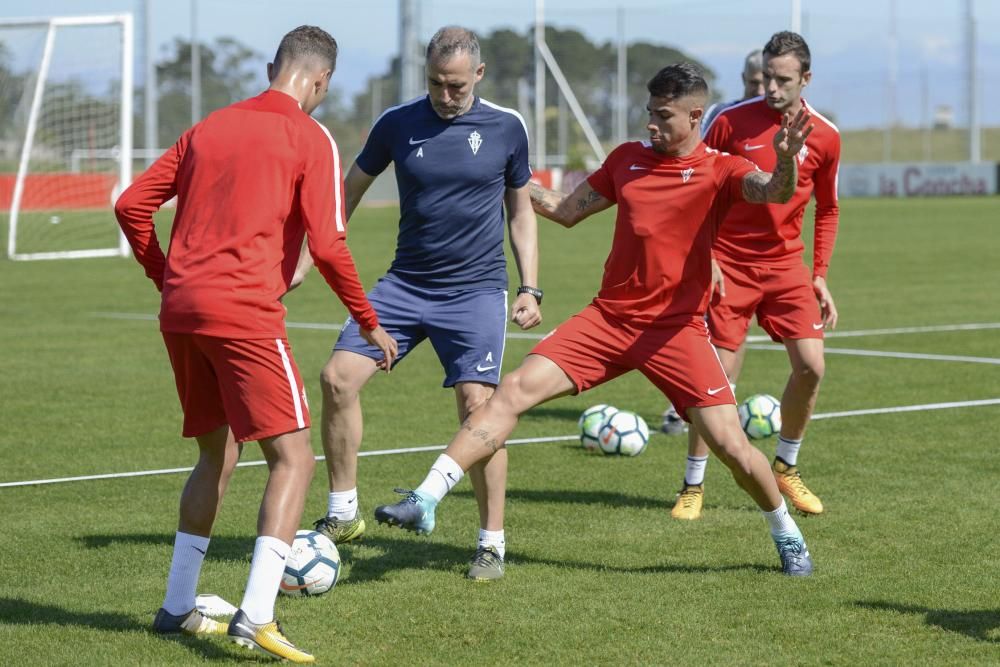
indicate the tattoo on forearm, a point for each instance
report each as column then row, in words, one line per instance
column 778, row 186
column 583, row 203
column 542, row 197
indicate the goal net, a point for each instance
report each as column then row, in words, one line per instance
column 65, row 134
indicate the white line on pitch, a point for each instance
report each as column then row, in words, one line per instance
column 537, row 336
column 894, row 355
column 516, row 441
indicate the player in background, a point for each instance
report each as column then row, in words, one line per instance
column 759, row 254
column 753, row 86
column 672, row 192
column 251, row 179
column 459, row 160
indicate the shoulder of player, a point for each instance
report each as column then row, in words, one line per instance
column 738, row 109
column 506, row 115
column 823, row 121
column 397, row 113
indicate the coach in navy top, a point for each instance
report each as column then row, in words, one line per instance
column 459, row 161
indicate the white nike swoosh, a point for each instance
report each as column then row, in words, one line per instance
column 713, row 392
column 636, row 167
column 748, row 147
column 414, row 142
column 817, row 327
column 483, row 369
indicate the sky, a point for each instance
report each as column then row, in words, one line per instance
column 849, row 39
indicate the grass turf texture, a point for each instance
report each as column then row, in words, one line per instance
column 906, row 555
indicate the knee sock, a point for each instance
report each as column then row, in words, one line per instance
column 266, row 568
column 442, row 478
column 185, row 568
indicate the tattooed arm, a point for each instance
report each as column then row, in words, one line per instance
column 779, row 186
column 567, row 210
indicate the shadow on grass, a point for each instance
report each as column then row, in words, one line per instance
column 396, row 554
column 17, row 611
column 580, row 497
column 223, row 548
column 981, row 624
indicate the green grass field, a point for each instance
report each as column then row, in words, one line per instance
column 907, row 555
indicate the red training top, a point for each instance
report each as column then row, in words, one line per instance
column 251, row 179
column 772, row 233
column 669, row 212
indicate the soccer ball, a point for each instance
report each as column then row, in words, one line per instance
column 590, row 424
column 760, row 416
column 312, row 567
column 624, row 433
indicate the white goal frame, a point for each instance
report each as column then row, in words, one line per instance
column 125, row 140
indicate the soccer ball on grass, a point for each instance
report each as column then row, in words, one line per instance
column 760, row 416
column 590, row 424
column 312, row 567
column 624, row 433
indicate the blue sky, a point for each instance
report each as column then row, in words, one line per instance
column 849, row 39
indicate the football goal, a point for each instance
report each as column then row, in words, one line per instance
column 65, row 134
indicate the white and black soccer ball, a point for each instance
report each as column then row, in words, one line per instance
column 624, row 433
column 312, row 567
column 590, row 423
column 760, row 416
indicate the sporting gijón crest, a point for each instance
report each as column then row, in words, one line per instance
column 475, row 141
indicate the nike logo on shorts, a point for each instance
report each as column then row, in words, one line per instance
column 748, row 147
column 414, row 142
column 713, row 392
column 817, row 327
column 483, row 369
column 636, row 167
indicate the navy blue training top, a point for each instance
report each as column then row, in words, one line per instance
column 452, row 175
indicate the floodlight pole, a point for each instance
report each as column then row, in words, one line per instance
column 975, row 154
column 797, row 16
column 539, row 85
column 891, row 87
column 621, row 94
column 195, row 66
column 152, row 94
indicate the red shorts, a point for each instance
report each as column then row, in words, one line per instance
column 252, row 385
column 592, row 348
column 781, row 297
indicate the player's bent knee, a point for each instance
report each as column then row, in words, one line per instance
column 336, row 387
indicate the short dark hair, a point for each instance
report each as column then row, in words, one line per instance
column 789, row 42
column 453, row 39
column 678, row 80
column 307, row 41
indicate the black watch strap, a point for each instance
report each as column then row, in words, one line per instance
column 533, row 291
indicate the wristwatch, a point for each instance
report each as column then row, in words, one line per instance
column 533, row 291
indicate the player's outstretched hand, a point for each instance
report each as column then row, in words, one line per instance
column 826, row 305
column 790, row 139
column 381, row 339
column 527, row 314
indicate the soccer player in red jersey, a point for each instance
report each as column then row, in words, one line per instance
column 672, row 193
column 251, row 179
column 759, row 253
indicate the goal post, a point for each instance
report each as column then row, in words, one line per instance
column 66, row 88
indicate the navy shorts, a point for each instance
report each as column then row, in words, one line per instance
column 466, row 327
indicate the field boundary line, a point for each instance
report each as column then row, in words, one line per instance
column 514, row 441
column 890, row 354
column 935, row 328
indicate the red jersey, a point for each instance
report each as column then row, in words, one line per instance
column 251, row 179
column 772, row 233
column 669, row 212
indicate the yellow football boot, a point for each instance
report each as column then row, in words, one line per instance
column 791, row 485
column 688, row 504
column 265, row 637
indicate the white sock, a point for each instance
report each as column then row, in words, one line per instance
column 788, row 450
column 342, row 504
column 493, row 538
column 266, row 568
column 185, row 568
column 781, row 522
column 694, row 473
column 442, row 478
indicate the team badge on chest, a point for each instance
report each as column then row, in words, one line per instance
column 475, row 141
